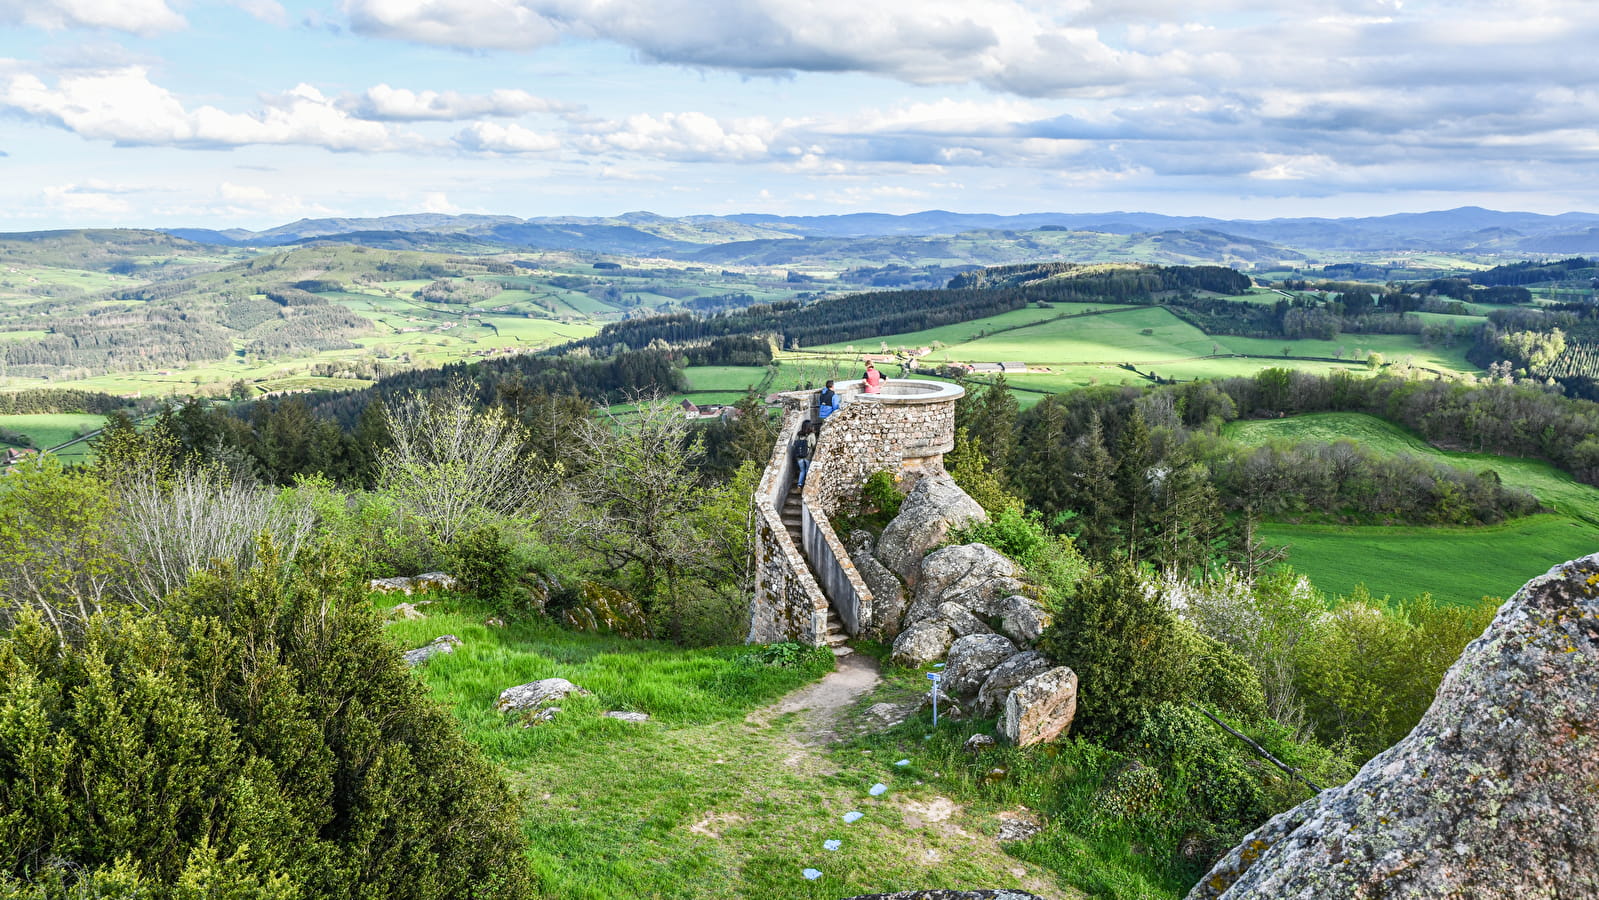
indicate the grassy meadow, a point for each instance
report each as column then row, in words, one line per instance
column 1456, row 565
column 716, row 796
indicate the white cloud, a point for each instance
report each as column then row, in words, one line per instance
column 689, row 136
column 268, row 11
column 383, row 103
column 491, row 137
column 123, row 106
column 133, row 16
column 438, row 202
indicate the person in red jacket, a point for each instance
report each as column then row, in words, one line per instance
column 874, row 380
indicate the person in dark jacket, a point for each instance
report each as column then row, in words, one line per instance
column 801, row 450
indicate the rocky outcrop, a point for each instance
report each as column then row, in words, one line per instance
column 1492, row 794
column 888, row 594
column 1022, row 619
column 975, row 576
column 535, row 694
column 970, row 660
column 1041, row 708
column 922, row 643
column 1005, row 677
column 606, row 609
column 442, row 644
column 421, row 584
column 961, row 621
column 934, row 507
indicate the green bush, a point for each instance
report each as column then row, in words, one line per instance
column 487, row 566
column 1204, row 765
column 1052, row 561
column 1370, row 669
column 257, row 737
column 1130, row 654
column 881, row 493
column 1223, row 679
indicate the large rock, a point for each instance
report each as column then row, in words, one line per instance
column 606, row 609
column 1005, row 676
column 1040, row 708
column 1492, row 794
column 1022, row 619
column 961, row 621
column 970, row 660
column 932, row 508
column 888, row 595
column 535, row 694
column 445, row 643
column 976, row 576
column 922, row 643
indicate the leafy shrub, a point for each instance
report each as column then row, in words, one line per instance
column 1052, row 561
column 881, row 493
column 257, row 737
column 487, row 566
column 1224, row 679
column 1371, row 669
column 1130, row 654
column 1203, row 766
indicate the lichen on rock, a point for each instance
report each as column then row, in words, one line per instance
column 1494, row 794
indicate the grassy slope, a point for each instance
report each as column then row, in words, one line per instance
column 1457, row 565
column 700, row 802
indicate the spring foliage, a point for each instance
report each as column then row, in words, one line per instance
column 258, row 737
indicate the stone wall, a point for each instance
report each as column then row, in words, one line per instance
column 788, row 604
column 905, row 430
column 907, row 435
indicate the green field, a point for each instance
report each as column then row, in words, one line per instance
column 1455, row 565
column 724, row 378
column 1551, row 486
column 1090, row 349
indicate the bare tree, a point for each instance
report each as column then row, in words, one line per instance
column 169, row 529
column 453, row 462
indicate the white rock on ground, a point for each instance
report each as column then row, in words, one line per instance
column 445, row 643
column 535, row 694
column 1040, row 708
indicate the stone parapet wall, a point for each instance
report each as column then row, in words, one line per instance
column 905, row 430
column 870, row 435
column 788, row 604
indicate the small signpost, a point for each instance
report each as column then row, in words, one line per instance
column 935, row 678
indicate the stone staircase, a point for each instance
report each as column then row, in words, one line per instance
column 793, row 520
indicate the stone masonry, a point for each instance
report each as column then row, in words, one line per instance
column 905, row 430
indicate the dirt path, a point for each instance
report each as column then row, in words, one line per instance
column 821, row 705
column 918, row 829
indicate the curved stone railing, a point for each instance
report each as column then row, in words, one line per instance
column 905, row 429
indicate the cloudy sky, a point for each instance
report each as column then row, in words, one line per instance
column 257, row 112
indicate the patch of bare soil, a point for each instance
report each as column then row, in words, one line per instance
column 820, row 706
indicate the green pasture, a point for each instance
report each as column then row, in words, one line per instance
column 49, row 429
column 1393, row 347
column 724, row 378
column 1455, row 565
column 1551, row 486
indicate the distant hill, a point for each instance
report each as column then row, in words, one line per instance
column 644, row 233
